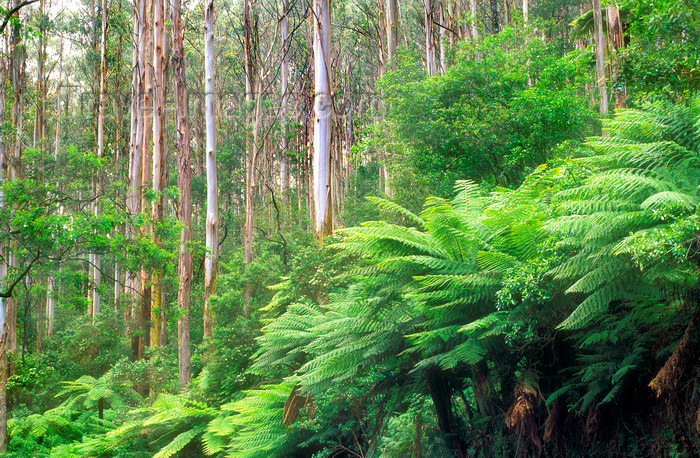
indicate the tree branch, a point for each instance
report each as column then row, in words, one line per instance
column 21, row 276
column 11, row 12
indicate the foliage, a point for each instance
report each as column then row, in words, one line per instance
column 499, row 111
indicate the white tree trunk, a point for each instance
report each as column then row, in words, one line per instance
column 323, row 110
column 133, row 202
column 184, row 181
column 474, row 28
column 57, row 141
column 430, row 64
column 159, row 153
column 284, row 80
column 96, row 259
column 212, row 225
column 50, row 304
column 600, row 56
column 392, row 26
column 443, row 36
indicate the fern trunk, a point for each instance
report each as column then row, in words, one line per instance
column 441, row 394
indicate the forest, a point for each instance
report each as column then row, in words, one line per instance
column 359, row 228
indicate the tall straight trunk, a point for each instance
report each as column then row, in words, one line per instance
column 143, row 340
column 392, row 30
column 474, row 10
column 616, row 40
column 40, row 328
column 381, row 36
column 526, row 10
column 50, row 304
column 284, row 81
column 443, row 35
column 3, row 269
column 57, row 140
column 133, row 202
column 118, row 144
column 40, row 111
column 96, row 275
column 14, row 65
column 159, row 155
column 506, row 14
column 212, row 225
column 430, row 64
column 251, row 148
column 17, row 69
column 323, row 113
column 184, row 181
column 600, row 56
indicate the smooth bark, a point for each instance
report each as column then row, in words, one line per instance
column 600, row 56
column 323, row 112
column 133, row 202
column 430, row 59
column 159, row 156
column 212, row 223
column 184, row 180
column 284, row 81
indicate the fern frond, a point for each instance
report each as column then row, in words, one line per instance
column 596, row 303
column 177, row 444
column 392, row 207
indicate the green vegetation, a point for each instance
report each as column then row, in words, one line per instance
column 512, row 273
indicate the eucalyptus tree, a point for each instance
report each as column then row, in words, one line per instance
column 600, row 57
column 184, row 180
column 323, row 113
column 212, row 222
column 159, row 170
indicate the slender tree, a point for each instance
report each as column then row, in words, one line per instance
column 600, row 56
column 284, row 81
column 184, row 179
column 612, row 12
column 251, row 147
column 323, row 111
column 473, row 18
column 159, row 155
column 96, row 260
column 133, row 202
column 430, row 58
column 212, row 223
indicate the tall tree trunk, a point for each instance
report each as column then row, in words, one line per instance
column 57, row 140
column 50, row 304
column 184, row 181
column 600, row 56
column 443, row 35
column 159, row 156
column 526, row 11
column 323, row 110
column 133, row 202
column 392, row 30
column 40, row 111
column 4, row 164
column 284, row 80
column 616, row 40
column 144, row 336
column 212, row 225
column 96, row 266
column 430, row 64
column 474, row 11
column 249, row 60
column 10, row 170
